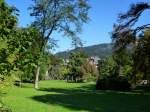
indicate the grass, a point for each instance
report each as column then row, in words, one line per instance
column 59, row 96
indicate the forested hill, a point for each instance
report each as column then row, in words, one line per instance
column 101, row 50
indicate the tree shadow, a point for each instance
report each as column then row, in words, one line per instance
column 87, row 99
column 142, row 89
column 85, row 88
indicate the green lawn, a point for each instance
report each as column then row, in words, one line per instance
column 59, row 96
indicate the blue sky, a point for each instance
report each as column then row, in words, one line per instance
column 103, row 15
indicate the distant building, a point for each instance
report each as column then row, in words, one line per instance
column 66, row 61
column 94, row 60
column 144, row 82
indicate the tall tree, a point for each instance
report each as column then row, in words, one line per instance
column 142, row 55
column 66, row 16
column 8, row 21
column 128, row 34
column 75, row 65
column 28, row 42
column 125, row 31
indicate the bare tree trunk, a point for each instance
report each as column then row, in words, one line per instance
column 47, row 75
column 36, row 86
column 72, row 78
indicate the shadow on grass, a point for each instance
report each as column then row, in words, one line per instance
column 142, row 89
column 88, row 99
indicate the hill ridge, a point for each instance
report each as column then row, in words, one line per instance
column 100, row 50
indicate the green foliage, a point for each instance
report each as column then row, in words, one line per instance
column 7, row 27
column 90, row 71
column 76, row 61
column 32, row 54
column 8, row 23
column 128, row 33
column 64, row 16
column 57, row 70
column 19, row 48
column 115, row 72
column 124, row 62
column 80, row 69
column 107, row 67
column 113, row 83
column 3, row 108
column 142, row 54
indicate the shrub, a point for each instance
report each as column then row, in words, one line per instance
column 113, row 83
column 4, row 108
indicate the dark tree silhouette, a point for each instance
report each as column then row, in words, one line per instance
column 124, row 31
column 127, row 33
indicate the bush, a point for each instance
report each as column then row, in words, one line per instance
column 4, row 108
column 27, row 80
column 112, row 83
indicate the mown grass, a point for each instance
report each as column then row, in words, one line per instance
column 59, row 96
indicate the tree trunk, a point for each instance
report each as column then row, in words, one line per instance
column 36, row 86
column 47, row 75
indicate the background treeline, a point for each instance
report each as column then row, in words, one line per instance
column 77, row 68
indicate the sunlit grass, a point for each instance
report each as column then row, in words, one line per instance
column 59, row 96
